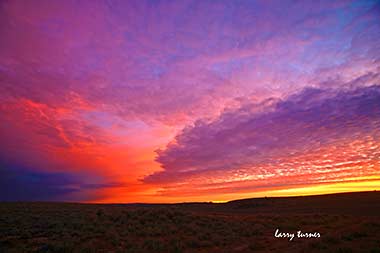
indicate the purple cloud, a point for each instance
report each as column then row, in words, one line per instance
column 20, row 184
column 256, row 138
column 167, row 61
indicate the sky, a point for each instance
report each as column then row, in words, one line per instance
column 177, row 101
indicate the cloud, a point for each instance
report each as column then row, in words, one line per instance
column 20, row 184
column 33, row 130
column 284, row 140
column 166, row 61
column 98, row 86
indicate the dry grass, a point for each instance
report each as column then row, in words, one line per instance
column 58, row 227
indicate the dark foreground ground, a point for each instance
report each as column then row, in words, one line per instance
column 347, row 222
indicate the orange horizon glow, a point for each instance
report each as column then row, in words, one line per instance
column 324, row 189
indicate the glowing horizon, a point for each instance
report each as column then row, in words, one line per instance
column 161, row 101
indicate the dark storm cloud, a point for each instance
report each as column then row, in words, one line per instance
column 20, row 184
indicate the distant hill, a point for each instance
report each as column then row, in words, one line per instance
column 363, row 203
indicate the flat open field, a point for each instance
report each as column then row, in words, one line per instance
column 348, row 222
